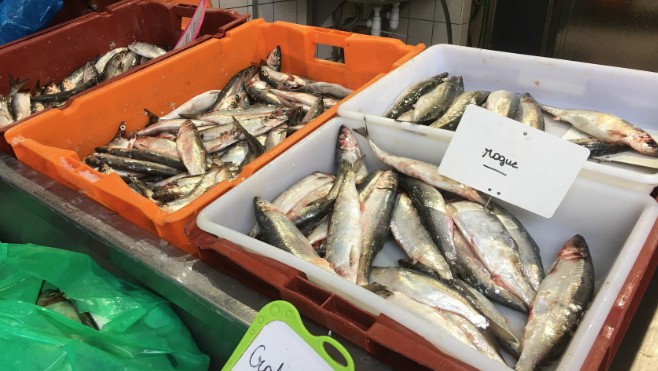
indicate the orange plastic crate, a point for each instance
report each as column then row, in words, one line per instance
column 55, row 141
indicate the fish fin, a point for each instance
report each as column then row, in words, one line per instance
column 378, row 289
column 152, row 117
column 254, row 144
column 363, row 131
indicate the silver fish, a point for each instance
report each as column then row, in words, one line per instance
column 125, row 163
column 493, row 245
column 314, row 111
column 102, row 61
column 278, row 231
column 502, row 102
column 529, row 112
column 413, row 238
column 427, row 290
column 276, row 136
column 473, row 271
column 274, row 59
column 561, row 301
column 450, row 119
column 375, row 219
column 345, row 234
column 327, row 88
column 448, row 323
column 20, row 105
column 164, row 146
column 409, row 96
column 431, row 208
column 433, row 104
column 281, row 80
column 229, row 98
column 348, row 152
column 607, row 127
column 212, row 177
column 531, row 263
column 196, row 105
column 424, row 171
column 190, row 149
column 147, row 50
column 5, row 116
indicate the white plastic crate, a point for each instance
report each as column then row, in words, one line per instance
column 629, row 94
column 614, row 221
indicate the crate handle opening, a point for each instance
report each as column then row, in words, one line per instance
column 330, row 53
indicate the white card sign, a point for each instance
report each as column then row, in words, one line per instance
column 278, row 348
column 512, row 161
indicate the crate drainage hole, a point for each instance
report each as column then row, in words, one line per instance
column 330, row 53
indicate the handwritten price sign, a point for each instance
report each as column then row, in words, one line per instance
column 277, row 341
column 511, row 161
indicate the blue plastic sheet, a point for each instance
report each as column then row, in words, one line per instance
column 20, row 18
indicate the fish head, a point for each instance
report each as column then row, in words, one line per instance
column 274, row 58
column 575, row 249
column 346, row 139
column 262, row 204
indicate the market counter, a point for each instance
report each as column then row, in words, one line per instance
column 216, row 308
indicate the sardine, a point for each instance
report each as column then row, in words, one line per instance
column 413, row 238
column 448, row 323
column 114, row 65
column 607, row 127
column 147, row 50
column 344, row 237
column 493, row 245
column 278, row 231
column 229, row 97
column 431, row 208
column 196, row 105
column 433, row 104
column 314, row 111
column 561, row 301
column 450, row 119
column 144, row 154
column 409, row 96
column 259, row 91
column 274, row 59
column 235, row 154
column 348, row 152
column 190, row 149
column 212, row 177
column 281, row 80
column 375, row 220
column 102, row 61
column 529, row 112
column 423, row 171
column 473, row 271
column 297, row 97
column 20, row 105
column 502, row 102
column 6, row 117
column 598, row 147
column 163, row 146
column 427, row 290
column 531, row 264
column 140, row 166
column 276, row 136
column 326, row 88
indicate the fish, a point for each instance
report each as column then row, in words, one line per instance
column 344, row 236
column 278, row 231
column 429, row 291
column 55, row 300
column 471, row 269
column 431, row 208
column 326, row 88
column 348, row 152
column 114, row 66
column 140, row 166
column 229, row 97
column 502, row 102
column 410, row 234
column 315, row 110
column 423, row 171
column 19, row 102
column 450, row 119
column 166, row 147
column 274, row 59
column 531, row 264
column 102, row 61
column 281, row 80
column 176, row 188
column 494, row 246
column 561, row 302
column 598, row 147
column 190, row 149
column 432, row 105
column 499, row 326
column 147, row 50
column 210, row 178
column 6, row 118
column 300, row 189
column 375, row 221
column 410, row 95
column 196, row 105
column 144, row 154
column 529, row 112
column 607, row 127
column 276, row 136
column 255, row 147
column 258, row 90
column 299, row 98
column 447, row 322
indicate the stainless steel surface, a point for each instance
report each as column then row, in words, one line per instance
column 216, row 308
column 611, row 32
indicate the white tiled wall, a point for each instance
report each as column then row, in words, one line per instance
column 423, row 21
column 288, row 10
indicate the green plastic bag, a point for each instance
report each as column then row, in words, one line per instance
column 137, row 330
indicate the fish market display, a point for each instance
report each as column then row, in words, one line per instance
column 21, row 103
column 177, row 157
column 464, row 255
column 440, row 102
